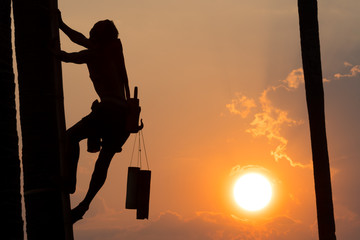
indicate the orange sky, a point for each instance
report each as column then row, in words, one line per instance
column 221, row 88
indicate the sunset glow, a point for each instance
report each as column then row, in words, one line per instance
column 252, row 192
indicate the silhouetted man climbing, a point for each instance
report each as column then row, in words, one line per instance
column 104, row 58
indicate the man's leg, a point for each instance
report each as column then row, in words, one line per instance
column 97, row 181
column 73, row 137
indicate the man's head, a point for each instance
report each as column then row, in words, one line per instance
column 103, row 32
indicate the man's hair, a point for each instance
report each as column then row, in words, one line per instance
column 104, row 31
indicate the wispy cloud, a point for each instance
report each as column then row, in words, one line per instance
column 353, row 72
column 269, row 120
column 238, row 170
column 241, row 105
column 294, row 78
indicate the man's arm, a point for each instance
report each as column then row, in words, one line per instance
column 74, row 36
column 76, row 57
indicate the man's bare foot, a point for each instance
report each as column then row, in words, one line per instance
column 78, row 212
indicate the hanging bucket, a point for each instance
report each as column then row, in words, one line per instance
column 138, row 185
column 138, row 191
column 132, row 188
column 143, row 194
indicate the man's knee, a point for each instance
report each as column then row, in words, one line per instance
column 78, row 132
column 73, row 135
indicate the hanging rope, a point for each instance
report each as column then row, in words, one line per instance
column 139, row 156
column 132, row 154
column 139, row 160
column 146, row 158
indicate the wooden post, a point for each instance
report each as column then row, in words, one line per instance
column 42, row 120
column 310, row 49
column 10, row 200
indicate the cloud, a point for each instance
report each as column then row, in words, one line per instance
column 270, row 120
column 295, row 78
column 354, row 71
column 241, row 105
column 204, row 226
column 238, row 170
column 104, row 223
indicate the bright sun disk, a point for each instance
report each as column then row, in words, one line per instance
column 252, row 191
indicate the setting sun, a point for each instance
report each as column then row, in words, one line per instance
column 252, row 192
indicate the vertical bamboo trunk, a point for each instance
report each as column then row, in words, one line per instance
column 42, row 120
column 10, row 198
column 310, row 49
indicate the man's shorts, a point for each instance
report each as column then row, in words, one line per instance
column 107, row 121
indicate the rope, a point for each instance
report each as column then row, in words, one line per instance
column 139, row 156
column 139, row 162
column 146, row 158
column 132, row 154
